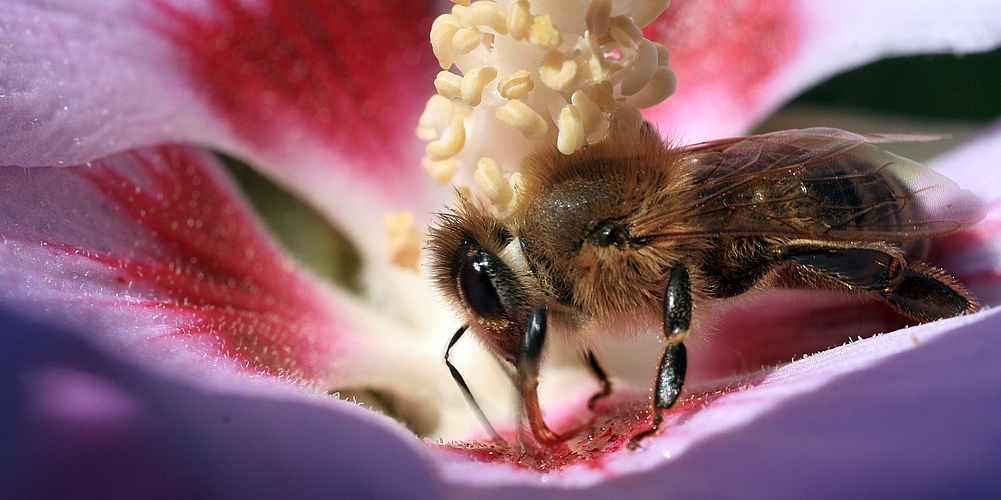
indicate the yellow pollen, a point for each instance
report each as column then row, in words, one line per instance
column 514, row 85
column 464, row 3
column 543, row 33
column 522, row 117
column 403, row 239
column 557, row 72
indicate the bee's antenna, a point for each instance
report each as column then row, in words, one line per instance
column 465, row 388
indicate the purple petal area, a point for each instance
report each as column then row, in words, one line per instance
column 82, row 80
column 75, row 423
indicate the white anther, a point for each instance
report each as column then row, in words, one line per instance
column 467, row 39
column 571, row 134
column 487, row 14
column 591, row 62
column 448, row 84
column 625, row 32
column 440, row 171
column 451, row 141
column 660, row 87
column 520, row 116
column 442, row 31
column 639, row 73
column 627, row 116
column 663, row 56
column 490, row 180
column 543, row 33
column 596, row 17
column 475, row 81
column 437, row 112
column 519, row 19
column 590, row 114
column 556, row 71
column 514, row 85
column 644, row 13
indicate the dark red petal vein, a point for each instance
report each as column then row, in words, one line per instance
column 205, row 260
column 344, row 72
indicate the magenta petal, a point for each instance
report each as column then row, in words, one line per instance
column 736, row 62
column 322, row 96
column 75, row 423
column 340, row 73
column 153, row 253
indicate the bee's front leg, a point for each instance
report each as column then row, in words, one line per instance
column 527, row 368
column 671, row 374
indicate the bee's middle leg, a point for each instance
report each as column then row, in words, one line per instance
column 603, row 381
column 671, row 372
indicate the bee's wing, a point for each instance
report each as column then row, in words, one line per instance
column 813, row 183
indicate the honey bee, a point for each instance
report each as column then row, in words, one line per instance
column 632, row 229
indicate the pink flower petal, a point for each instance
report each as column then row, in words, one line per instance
column 82, row 81
column 317, row 95
column 737, row 62
column 152, row 252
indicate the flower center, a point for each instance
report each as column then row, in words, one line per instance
column 522, row 74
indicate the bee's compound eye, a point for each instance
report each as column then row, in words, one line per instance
column 476, row 274
column 607, row 234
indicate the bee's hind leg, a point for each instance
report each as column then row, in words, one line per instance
column 671, row 373
column 917, row 290
column 927, row 293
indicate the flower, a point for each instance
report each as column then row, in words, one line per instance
column 157, row 341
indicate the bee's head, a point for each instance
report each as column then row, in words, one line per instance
column 466, row 264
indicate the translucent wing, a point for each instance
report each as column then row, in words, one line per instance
column 815, row 183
